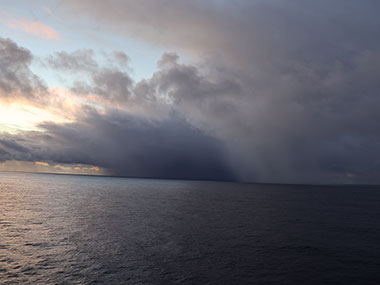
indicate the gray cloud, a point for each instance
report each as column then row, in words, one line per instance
column 111, row 82
column 16, row 78
column 120, row 57
column 77, row 61
column 247, row 34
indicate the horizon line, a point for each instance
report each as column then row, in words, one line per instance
column 195, row 180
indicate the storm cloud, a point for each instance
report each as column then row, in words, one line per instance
column 125, row 145
column 269, row 91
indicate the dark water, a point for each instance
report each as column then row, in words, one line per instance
column 82, row 230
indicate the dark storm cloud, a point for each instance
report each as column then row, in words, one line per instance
column 10, row 149
column 125, row 145
column 289, row 88
column 292, row 87
column 16, row 78
column 294, row 84
column 310, row 125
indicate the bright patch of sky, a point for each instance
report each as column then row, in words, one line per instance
column 18, row 117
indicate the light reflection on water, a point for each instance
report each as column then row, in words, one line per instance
column 58, row 229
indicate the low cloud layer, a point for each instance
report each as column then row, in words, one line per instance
column 124, row 144
column 275, row 91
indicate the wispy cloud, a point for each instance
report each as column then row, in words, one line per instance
column 48, row 10
column 35, row 28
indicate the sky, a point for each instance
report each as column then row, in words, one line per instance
column 262, row 91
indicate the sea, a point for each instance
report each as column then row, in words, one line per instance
column 66, row 229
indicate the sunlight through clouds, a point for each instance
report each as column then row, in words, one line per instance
column 17, row 117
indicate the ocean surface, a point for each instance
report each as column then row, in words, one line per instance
column 63, row 229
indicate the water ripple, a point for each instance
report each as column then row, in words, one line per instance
column 92, row 230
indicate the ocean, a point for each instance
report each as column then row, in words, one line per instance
column 66, row 229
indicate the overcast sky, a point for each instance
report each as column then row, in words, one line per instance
column 253, row 91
